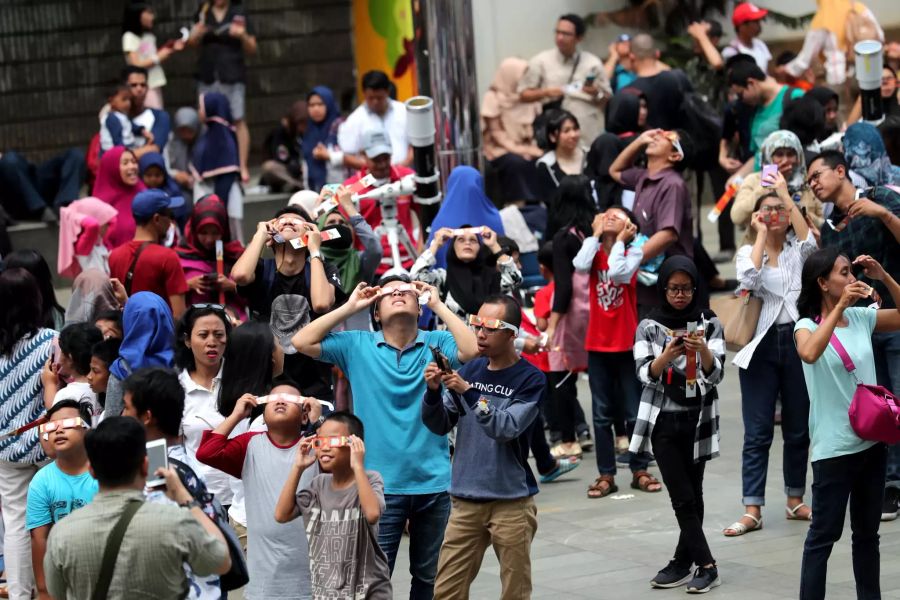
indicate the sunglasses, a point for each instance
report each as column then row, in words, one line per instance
column 204, row 305
column 490, row 325
column 675, row 141
column 292, row 399
column 70, row 423
column 402, row 289
column 324, row 442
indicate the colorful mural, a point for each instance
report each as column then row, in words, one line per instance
column 383, row 40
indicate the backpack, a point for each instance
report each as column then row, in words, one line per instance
column 704, row 124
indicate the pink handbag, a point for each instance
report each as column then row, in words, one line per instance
column 875, row 411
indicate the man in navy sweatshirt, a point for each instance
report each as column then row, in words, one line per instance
column 492, row 401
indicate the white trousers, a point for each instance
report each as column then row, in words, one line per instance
column 816, row 41
column 14, row 480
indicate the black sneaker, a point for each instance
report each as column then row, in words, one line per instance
column 890, row 506
column 704, row 580
column 672, row 576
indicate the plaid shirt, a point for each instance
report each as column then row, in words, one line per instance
column 865, row 235
column 649, row 342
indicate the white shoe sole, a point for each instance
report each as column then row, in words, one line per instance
column 674, row 584
column 716, row 583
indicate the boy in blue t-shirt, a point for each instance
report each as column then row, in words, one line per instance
column 62, row 486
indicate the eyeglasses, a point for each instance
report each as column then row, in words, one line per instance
column 490, row 326
column 70, row 423
column 815, row 176
column 324, row 442
column 770, row 209
column 680, row 291
column 675, row 141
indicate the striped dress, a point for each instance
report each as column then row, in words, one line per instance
column 22, row 395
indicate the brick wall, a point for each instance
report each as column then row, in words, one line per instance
column 57, row 58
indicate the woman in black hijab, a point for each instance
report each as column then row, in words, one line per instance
column 626, row 119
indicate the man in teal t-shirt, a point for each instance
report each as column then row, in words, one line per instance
column 386, row 370
column 768, row 96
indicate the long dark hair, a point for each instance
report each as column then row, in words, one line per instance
column 184, row 356
column 34, row 263
column 21, row 315
column 248, row 364
column 819, row 264
column 131, row 19
column 572, row 206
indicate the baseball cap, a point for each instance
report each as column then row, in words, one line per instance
column 290, row 313
column 623, row 37
column 149, row 202
column 747, row 11
column 376, row 143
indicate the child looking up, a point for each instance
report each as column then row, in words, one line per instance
column 341, row 508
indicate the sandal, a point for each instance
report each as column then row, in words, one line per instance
column 642, row 480
column 791, row 513
column 740, row 529
column 598, row 490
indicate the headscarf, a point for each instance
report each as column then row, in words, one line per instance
column 470, row 283
column 71, row 218
column 783, row 138
column 110, row 188
column 149, row 333
column 465, row 202
column 624, row 108
column 665, row 314
column 209, row 210
column 177, row 150
column 866, row 155
column 346, row 259
column 216, row 151
column 92, row 294
column 320, row 133
column 169, row 186
column 502, row 100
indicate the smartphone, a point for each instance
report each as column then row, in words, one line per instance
column 210, row 277
column 159, row 459
column 766, row 171
column 590, row 79
column 440, row 360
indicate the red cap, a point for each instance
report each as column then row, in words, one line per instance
column 747, row 11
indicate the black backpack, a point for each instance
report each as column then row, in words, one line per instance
column 704, row 124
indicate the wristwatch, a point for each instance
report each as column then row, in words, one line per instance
column 316, row 254
column 190, row 504
column 314, row 426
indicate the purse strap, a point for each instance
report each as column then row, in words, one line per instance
column 845, row 358
column 129, row 276
column 111, row 552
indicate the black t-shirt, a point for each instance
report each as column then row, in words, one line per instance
column 221, row 55
column 281, row 147
column 269, row 284
column 664, row 93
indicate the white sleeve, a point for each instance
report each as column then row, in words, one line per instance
column 585, row 257
column 622, row 265
column 348, row 135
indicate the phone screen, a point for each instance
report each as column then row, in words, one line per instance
column 158, row 459
column 767, row 170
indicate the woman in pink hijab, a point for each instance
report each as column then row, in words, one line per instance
column 117, row 184
column 83, row 233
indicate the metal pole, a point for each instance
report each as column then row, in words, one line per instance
column 445, row 62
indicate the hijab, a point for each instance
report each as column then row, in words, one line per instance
column 783, row 138
column 110, row 188
column 209, row 210
column 866, row 155
column 177, row 149
column 149, row 333
column 320, row 133
column 465, row 202
column 470, row 283
column 665, row 314
column 502, row 101
column 344, row 258
column 624, row 109
column 215, row 151
column 71, row 219
column 92, row 294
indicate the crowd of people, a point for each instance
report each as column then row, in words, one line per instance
column 207, row 415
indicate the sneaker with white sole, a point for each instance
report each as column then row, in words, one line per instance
column 704, row 580
column 671, row 576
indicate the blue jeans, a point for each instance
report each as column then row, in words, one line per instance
column 856, row 478
column 615, row 391
column 427, row 515
column 886, row 347
column 775, row 368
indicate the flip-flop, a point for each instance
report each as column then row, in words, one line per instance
column 791, row 513
column 740, row 529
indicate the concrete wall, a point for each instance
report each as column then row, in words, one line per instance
column 57, row 57
column 524, row 27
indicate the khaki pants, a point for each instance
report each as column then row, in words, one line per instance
column 507, row 525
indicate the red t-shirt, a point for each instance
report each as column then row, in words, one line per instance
column 613, row 318
column 539, row 360
column 543, row 301
column 158, row 269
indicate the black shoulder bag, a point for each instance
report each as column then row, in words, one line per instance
column 129, row 276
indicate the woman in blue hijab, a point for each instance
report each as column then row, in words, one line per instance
column 867, row 157
column 148, row 335
column 215, row 156
column 321, row 135
column 465, row 204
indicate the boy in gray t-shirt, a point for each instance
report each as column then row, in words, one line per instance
column 341, row 508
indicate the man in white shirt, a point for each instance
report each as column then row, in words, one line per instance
column 378, row 112
column 747, row 19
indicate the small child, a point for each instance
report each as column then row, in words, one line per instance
column 75, row 344
column 103, row 353
column 82, row 233
column 109, row 322
column 277, row 555
column 154, row 174
column 341, row 508
column 116, row 129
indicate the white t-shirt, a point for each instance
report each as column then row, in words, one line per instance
column 759, row 51
column 351, row 133
column 145, row 46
